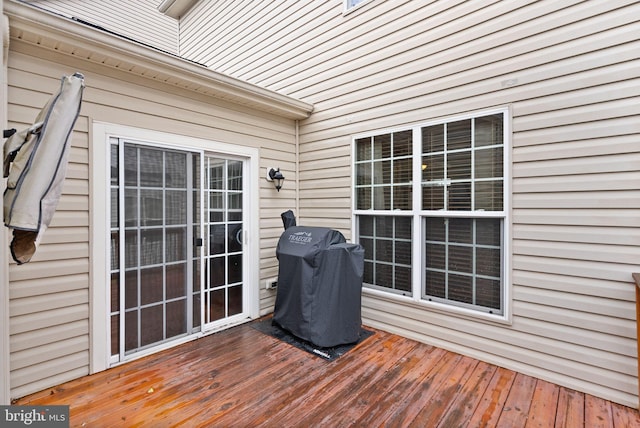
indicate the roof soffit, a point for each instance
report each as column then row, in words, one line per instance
column 64, row 36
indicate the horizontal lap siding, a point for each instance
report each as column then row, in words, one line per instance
column 569, row 71
column 49, row 297
column 139, row 20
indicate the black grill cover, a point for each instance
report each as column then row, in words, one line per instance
column 319, row 286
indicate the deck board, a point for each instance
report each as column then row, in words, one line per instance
column 243, row 378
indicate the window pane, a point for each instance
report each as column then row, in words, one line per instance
column 176, row 244
column 459, row 135
column 363, row 149
column 433, row 197
column 115, row 213
column 459, row 197
column 151, row 285
column 151, row 325
column 131, row 330
column 402, row 278
column 234, row 169
column 366, row 226
column 217, row 272
column 488, row 262
column 384, row 250
column 489, row 130
column 488, row 293
column 176, row 280
column 460, row 230
column 436, row 256
column 433, row 139
column 382, row 198
column 402, row 171
column 217, row 238
column 488, row 163
column 402, row 143
column 216, row 304
column 115, row 171
column 151, row 208
column 176, row 206
column 363, row 196
column 175, row 169
column 435, row 284
column 488, row 195
column 216, row 171
column 403, row 252
column 235, row 300
column 436, row 229
column 151, row 250
column 459, row 288
column 382, row 146
column 131, row 289
column 460, row 258
column 235, row 238
column 459, row 165
column 115, row 292
column 403, row 227
column 402, row 198
column 130, row 166
column 433, row 168
column 115, row 250
column 488, row 231
column 363, row 174
column 177, row 318
column 150, row 168
column 131, row 248
column 131, row 207
column 235, row 268
column 382, row 172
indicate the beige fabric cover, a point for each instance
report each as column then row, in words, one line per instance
column 35, row 162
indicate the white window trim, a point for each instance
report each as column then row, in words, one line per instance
column 347, row 10
column 416, row 299
column 99, row 247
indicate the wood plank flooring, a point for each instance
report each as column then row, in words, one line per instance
column 243, row 378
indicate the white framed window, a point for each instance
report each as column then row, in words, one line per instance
column 351, row 4
column 430, row 211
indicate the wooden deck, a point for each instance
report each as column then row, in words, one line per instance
column 244, row 378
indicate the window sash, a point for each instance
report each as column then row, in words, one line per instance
column 479, row 139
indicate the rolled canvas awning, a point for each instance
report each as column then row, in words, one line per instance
column 35, row 162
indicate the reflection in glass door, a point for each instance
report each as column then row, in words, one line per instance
column 223, row 282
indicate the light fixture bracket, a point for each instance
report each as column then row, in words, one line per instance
column 274, row 175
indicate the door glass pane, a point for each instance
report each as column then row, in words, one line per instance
column 155, row 222
column 151, row 285
column 150, row 167
column 224, row 279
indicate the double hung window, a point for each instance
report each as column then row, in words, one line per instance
column 430, row 211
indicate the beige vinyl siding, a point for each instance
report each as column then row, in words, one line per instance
column 569, row 73
column 139, row 19
column 50, row 296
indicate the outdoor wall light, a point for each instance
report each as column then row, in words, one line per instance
column 274, row 174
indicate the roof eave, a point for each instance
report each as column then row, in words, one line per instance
column 65, row 36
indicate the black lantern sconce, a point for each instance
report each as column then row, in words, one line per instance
column 274, row 174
